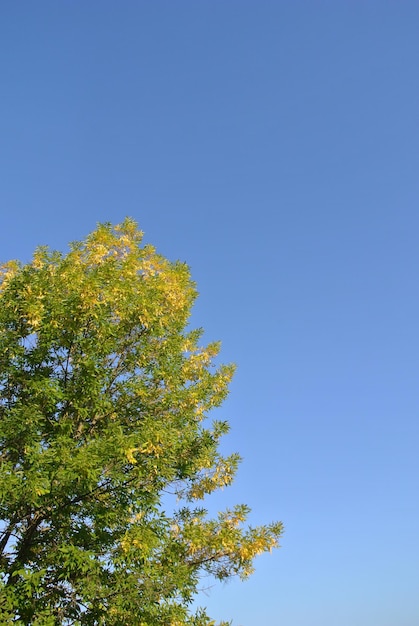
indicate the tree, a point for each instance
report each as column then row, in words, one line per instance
column 104, row 395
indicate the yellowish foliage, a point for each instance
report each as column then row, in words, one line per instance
column 106, row 394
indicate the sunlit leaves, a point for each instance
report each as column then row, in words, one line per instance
column 104, row 397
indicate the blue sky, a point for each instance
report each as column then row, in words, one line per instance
column 273, row 146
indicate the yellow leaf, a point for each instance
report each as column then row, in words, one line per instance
column 130, row 455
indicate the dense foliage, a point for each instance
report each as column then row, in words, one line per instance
column 104, row 395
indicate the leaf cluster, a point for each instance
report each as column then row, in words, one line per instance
column 104, row 396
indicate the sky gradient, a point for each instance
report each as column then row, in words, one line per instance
column 274, row 147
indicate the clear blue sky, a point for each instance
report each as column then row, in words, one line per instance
column 274, row 146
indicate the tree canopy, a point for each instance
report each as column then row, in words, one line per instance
column 104, row 398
